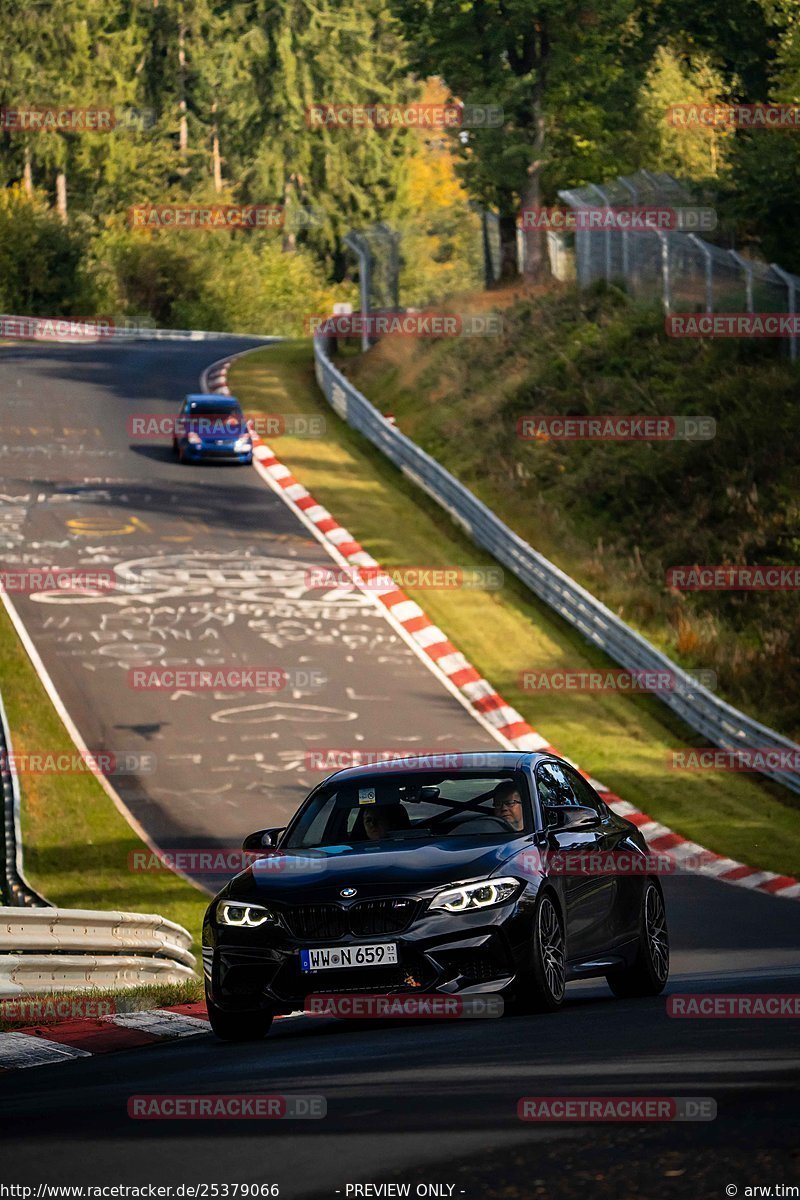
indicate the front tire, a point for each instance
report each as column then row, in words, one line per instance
column 546, row 982
column 648, row 974
column 238, row 1026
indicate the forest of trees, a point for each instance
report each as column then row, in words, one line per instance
column 212, row 97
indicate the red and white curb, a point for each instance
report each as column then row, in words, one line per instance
column 41, row 1045
column 432, row 645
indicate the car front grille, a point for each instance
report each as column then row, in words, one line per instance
column 383, row 916
column 316, row 921
column 327, row 922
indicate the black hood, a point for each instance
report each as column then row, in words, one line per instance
column 373, row 870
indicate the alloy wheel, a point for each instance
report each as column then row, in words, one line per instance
column 551, row 943
column 656, row 929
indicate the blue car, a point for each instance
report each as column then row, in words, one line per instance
column 212, row 429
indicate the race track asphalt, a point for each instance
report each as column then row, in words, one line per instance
column 221, row 572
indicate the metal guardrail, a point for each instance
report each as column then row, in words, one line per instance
column 718, row 722
column 27, row 974
column 130, row 332
column 66, row 930
column 52, row 949
column 14, row 887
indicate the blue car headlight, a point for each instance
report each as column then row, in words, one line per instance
column 194, row 439
column 243, row 444
column 467, row 897
column 246, row 916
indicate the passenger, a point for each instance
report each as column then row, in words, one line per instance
column 380, row 821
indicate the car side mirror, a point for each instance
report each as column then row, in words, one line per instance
column 571, row 816
column 262, row 839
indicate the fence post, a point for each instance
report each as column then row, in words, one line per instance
column 392, row 237
column 705, row 250
column 634, row 195
column 791, row 285
column 748, row 277
column 490, row 276
column 362, row 252
column 606, row 204
column 667, row 290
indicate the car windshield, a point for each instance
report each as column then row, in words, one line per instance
column 412, row 807
column 233, row 412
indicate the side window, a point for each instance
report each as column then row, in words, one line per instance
column 553, row 785
column 585, row 793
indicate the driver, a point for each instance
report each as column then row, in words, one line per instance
column 507, row 804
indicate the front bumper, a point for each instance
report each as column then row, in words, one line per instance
column 198, row 454
column 456, row 955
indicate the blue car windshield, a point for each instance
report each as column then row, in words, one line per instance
column 413, row 807
column 230, row 412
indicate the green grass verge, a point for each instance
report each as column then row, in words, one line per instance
column 105, row 1001
column 616, row 515
column 622, row 740
column 75, row 842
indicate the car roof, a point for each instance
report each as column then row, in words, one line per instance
column 208, row 398
column 453, row 762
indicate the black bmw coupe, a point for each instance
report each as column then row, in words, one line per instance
column 460, row 874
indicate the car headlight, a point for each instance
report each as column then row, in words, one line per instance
column 242, row 444
column 470, row 896
column 235, row 912
column 194, row 439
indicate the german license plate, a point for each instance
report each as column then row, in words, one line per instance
column 340, row 958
